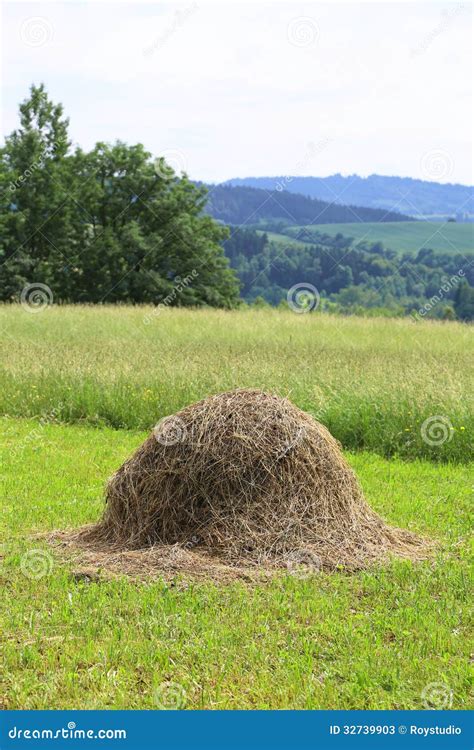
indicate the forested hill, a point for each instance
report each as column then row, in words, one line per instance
column 413, row 197
column 239, row 205
column 354, row 279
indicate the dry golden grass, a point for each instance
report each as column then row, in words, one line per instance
column 242, row 479
column 371, row 382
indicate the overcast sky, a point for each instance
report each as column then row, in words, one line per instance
column 226, row 90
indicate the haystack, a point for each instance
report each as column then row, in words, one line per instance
column 245, row 478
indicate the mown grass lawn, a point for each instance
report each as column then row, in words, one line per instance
column 372, row 640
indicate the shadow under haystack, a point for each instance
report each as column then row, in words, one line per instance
column 242, row 479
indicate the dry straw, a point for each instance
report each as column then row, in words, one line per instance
column 239, row 481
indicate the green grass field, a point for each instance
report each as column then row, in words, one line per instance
column 283, row 240
column 372, row 640
column 403, row 236
column 373, row 383
column 79, row 388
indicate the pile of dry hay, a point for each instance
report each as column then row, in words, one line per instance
column 239, row 480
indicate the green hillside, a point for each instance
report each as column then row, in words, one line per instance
column 283, row 239
column 402, row 194
column 402, row 236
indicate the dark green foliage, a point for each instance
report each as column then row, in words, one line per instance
column 242, row 205
column 112, row 225
column 103, row 226
column 464, row 302
column 404, row 194
column 353, row 278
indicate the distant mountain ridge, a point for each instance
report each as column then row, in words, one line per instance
column 416, row 198
column 241, row 204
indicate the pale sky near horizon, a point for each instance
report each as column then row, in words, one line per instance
column 246, row 89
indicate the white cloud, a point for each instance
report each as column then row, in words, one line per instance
column 225, row 85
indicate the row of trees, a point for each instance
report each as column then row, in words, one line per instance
column 354, row 278
column 235, row 204
column 113, row 225
column 108, row 225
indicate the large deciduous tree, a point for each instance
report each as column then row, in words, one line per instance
column 107, row 225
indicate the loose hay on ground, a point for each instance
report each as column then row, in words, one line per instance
column 241, row 481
